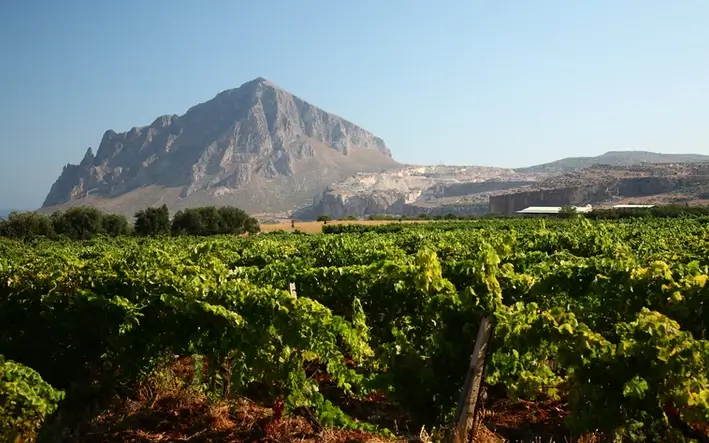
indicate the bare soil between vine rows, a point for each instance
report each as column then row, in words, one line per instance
column 187, row 416
column 191, row 418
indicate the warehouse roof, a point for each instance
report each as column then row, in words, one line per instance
column 552, row 209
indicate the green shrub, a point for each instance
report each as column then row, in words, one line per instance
column 25, row 401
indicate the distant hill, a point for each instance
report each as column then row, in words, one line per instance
column 256, row 147
column 611, row 158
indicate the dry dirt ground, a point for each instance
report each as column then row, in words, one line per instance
column 315, row 227
column 167, row 409
column 190, row 417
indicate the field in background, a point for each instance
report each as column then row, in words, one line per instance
column 316, row 227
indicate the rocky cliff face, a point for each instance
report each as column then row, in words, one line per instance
column 510, row 203
column 257, row 147
column 608, row 185
column 414, row 190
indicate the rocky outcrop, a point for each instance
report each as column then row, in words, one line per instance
column 600, row 185
column 511, row 203
column 257, row 147
column 414, row 190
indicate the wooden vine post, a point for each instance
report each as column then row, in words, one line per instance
column 464, row 425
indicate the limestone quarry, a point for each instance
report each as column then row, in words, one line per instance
column 474, row 190
column 413, row 190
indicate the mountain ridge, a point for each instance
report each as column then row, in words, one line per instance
column 611, row 158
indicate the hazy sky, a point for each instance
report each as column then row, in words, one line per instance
column 496, row 82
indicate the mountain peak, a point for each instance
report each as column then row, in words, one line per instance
column 88, row 157
column 257, row 147
column 258, row 81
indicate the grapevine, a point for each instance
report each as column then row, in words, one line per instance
column 608, row 316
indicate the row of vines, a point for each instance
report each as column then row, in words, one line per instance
column 610, row 317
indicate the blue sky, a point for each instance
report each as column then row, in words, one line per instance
column 503, row 82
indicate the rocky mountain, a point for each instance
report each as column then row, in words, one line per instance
column 257, row 147
column 611, row 158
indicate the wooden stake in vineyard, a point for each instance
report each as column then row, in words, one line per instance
column 464, row 425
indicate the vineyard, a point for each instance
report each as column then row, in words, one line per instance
column 606, row 319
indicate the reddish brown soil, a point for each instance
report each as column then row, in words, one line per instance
column 184, row 416
column 527, row 420
column 165, row 410
column 191, row 418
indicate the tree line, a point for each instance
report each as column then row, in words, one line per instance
column 85, row 222
column 664, row 211
column 568, row 211
column 423, row 216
